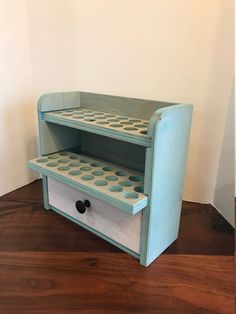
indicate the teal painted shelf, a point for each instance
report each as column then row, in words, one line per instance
column 108, row 182
column 115, row 165
column 124, row 128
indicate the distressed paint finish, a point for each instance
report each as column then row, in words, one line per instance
column 45, row 192
column 165, row 148
column 164, row 177
column 58, row 101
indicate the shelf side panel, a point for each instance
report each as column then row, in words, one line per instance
column 166, row 160
column 54, row 137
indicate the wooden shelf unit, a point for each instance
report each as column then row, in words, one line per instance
column 115, row 166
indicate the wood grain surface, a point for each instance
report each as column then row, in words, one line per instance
column 50, row 265
column 114, row 283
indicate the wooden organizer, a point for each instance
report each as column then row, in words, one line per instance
column 115, row 166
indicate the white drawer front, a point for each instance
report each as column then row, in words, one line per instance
column 110, row 221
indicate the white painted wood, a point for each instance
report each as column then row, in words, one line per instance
column 115, row 224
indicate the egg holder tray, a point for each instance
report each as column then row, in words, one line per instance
column 124, row 124
column 116, row 185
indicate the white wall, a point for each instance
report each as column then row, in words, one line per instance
column 224, row 190
column 17, row 112
column 168, row 50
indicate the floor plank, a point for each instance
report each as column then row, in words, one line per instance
column 35, row 282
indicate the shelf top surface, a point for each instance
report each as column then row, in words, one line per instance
column 119, row 186
column 121, row 127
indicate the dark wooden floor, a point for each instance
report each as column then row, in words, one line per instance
column 50, row 265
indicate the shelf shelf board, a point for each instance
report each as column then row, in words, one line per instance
column 118, row 186
column 123, row 128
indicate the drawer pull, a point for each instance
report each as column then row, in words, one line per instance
column 82, row 205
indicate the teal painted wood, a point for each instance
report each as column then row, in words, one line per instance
column 114, row 151
column 164, row 177
column 58, row 101
column 128, row 208
column 101, row 235
column 139, row 140
column 132, row 107
column 54, row 137
column 45, row 192
column 165, row 146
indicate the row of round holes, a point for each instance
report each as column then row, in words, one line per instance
column 96, row 116
column 114, row 188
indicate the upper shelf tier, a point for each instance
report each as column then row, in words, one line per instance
column 123, row 128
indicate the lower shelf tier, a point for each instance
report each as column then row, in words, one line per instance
column 115, row 185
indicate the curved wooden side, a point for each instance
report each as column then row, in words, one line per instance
column 164, row 177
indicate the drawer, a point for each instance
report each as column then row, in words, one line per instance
column 108, row 220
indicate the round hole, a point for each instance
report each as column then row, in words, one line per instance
column 98, row 173
column 52, row 157
column 143, row 132
column 41, row 160
column 108, row 168
column 87, row 178
column 63, row 168
column 134, row 120
column 86, row 168
column 52, row 164
column 67, row 114
column 78, row 112
column 85, row 110
column 111, row 178
column 115, row 125
column 74, row 173
column 99, row 113
column 90, row 119
column 136, row 178
column 102, row 122
column 78, row 117
column 96, row 164
column 100, row 182
column 63, row 161
column 131, row 195
column 63, row 154
column 126, row 122
column 130, row 129
column 122, row 118
column 74, row 157
column 112, row 120
column 74, row 164
column 125, row 183
column 116, row 188
column 100, row 118
column 84, row 161
column 140, row 126
column 109, row 115
column 139, row 189
column 121, row 173
column 88, row 115
column 145, row 123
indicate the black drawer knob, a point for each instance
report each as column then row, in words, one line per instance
column 82, row 205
